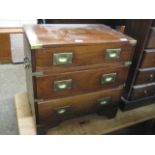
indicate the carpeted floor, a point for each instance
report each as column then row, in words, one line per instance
column 12, row 81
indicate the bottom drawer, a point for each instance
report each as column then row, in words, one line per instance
column 145, row 75
column 60, row 109
column 142, row 91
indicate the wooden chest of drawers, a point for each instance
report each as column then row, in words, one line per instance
column 73, row 70
column 140, row 88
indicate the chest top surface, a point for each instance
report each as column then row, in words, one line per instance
column 69, row 34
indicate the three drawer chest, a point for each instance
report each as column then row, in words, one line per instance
column 74, row 70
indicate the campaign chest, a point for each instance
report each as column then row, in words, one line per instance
column 140, row 88
column 74, row 70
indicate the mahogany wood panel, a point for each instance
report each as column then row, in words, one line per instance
column 5, row 49
column 148, row 58
column 72, row 34
column 142, row 91
column 145, row 75
column 151, row 39
column 84, row 57
column 82, row 82
column 82, row 104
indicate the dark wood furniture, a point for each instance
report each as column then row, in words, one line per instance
column 110, row 22
column 73, row 70
column 140, row 86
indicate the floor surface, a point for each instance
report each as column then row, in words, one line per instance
column 12, row 81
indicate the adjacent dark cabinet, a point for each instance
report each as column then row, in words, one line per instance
column 140, row 85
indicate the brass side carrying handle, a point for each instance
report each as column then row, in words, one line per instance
column 26, row 63
column 113, row 53
column 62, row 85
column 62, row 58
column 108, row 78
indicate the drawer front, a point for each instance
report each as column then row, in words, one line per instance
column 142, row 91
column 59, row 109
column 74, row 83
column 71, row 58
column 148, row 59
column 151, row 39
column 145, row 75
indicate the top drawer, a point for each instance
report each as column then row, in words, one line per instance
column 70, row 58
column 151, row 38
column 148, row 58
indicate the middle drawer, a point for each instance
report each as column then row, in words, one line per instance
column 79, row 82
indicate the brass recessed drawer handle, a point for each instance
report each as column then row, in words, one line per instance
column 62, row 85
column 62, row 110
column 108, row 78
column 104, row 101
column 113, row 53
column 62, row 58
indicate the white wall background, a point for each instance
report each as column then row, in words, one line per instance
column 16, row 22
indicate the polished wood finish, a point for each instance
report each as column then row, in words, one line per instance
column 84, row 57
column 151, row 39
column 82, row 104
column 5, row 48
column 83, row 82
column 148, row 58
column 145, row 75
column 88, row 43
column 72, row 34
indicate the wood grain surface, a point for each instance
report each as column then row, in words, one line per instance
column 84, row 57
column 79, row 105
column 82, row 82
column 67, row 34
